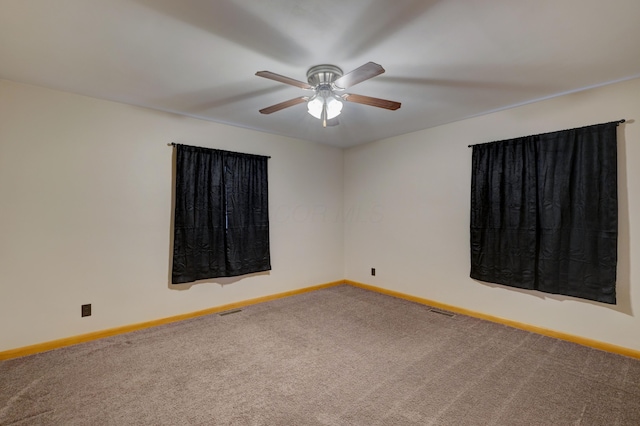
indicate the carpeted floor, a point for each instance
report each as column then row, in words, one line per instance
column 338, row 356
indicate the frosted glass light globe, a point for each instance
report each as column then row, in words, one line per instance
column 314, row 106
column 334, row 107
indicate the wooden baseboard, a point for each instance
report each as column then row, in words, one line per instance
column 68, row 341
column 539, row 330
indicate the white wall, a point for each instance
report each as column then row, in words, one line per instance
column 416, row 190
column 85, row 214
column 85, row 193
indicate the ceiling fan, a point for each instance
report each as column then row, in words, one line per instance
column 327, row 81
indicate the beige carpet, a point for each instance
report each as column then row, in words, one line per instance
column 338, row 356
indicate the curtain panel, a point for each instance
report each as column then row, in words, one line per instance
column 544, row 212
column 221, row 217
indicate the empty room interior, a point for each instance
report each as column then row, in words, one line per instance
column 369, row 204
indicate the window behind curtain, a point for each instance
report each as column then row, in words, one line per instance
column 221, row 226
column 544, row 212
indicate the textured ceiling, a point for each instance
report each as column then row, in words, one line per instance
column 445, row 60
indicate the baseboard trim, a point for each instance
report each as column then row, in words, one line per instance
column 596, row 344
column 68, row 341
column 74, row 340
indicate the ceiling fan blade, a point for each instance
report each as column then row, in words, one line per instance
column 360, row 74
column 282, row 79
column 368, row 100
column 283, row 105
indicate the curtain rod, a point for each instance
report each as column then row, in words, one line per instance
column 617, row 122
column 257, row 155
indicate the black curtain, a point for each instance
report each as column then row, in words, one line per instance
column 544, row 212
column 247, row 214
column 221, row 226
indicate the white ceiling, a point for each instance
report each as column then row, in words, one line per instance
column 445, row 60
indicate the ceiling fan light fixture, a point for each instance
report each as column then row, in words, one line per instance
column 321, row 101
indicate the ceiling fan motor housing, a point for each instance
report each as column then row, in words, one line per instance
column 323, row 75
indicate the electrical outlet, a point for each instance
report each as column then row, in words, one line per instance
column 86, row 310
column 373, row 271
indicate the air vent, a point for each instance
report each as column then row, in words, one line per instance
column 234, row 311
column 445, row 313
